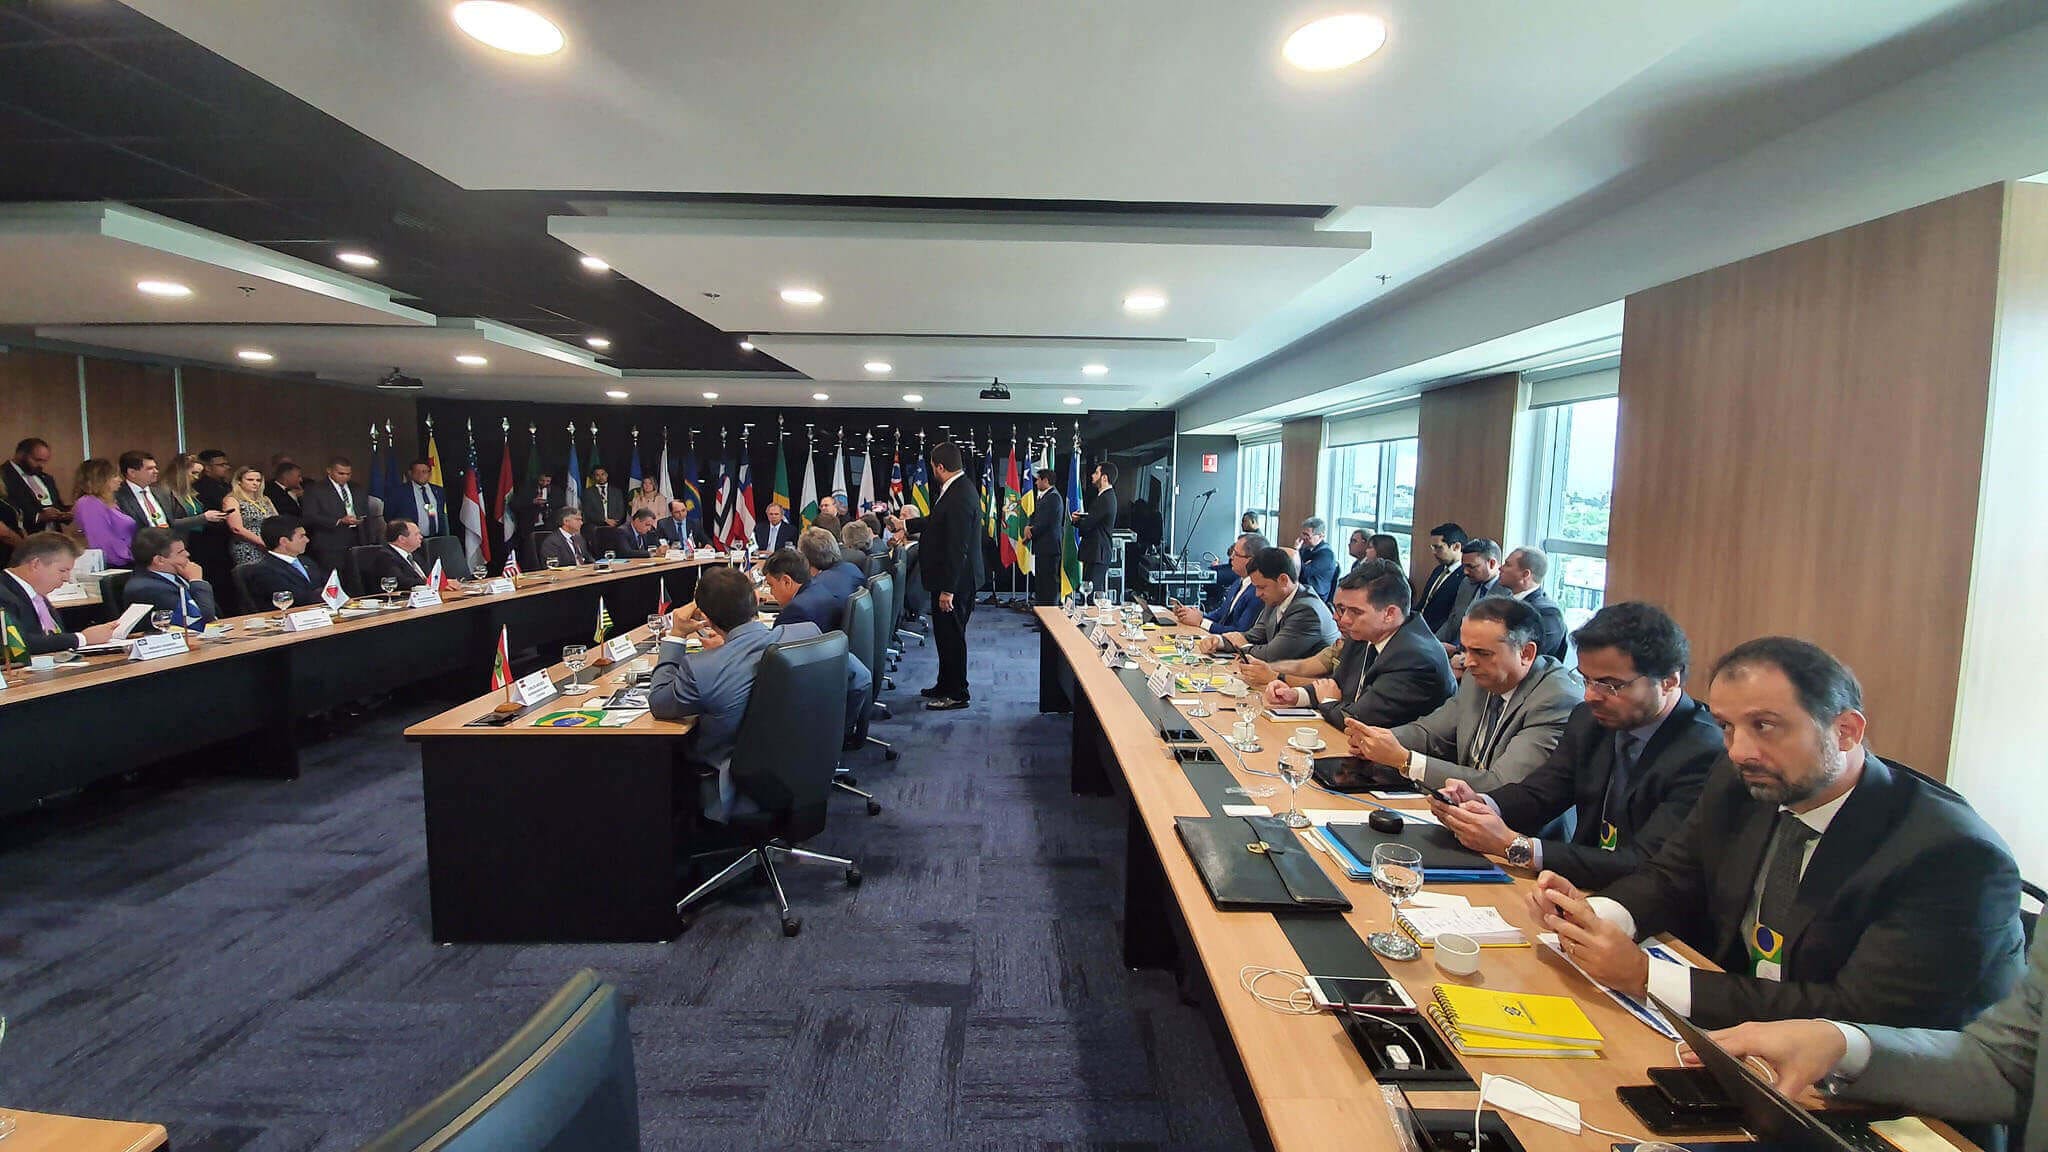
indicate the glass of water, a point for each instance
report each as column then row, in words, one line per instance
column 1295, row 769
column 1396, row 871
column 554, row 565
column 160, row 620
column 657, row 626
column 390, row 586
column 282, row 601
column 573, row 655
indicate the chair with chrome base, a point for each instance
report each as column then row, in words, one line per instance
column 882, row 587
column 906, row 566
column 859, row 626
column 782, row 760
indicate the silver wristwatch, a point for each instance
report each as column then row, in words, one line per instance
column 1521, row 852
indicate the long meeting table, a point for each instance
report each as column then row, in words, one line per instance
column 105, row 715
column 1302, row 1083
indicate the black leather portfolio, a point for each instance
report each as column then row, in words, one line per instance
column 1255, row 862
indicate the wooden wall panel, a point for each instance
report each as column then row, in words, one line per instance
column 1301, row 449
column 39, row 397
column 130, row 405
column 1462, row 460
column 252, row 418
column 1799, row 452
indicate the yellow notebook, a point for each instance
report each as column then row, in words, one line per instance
column 1503, row 1045
column 1547, row 1020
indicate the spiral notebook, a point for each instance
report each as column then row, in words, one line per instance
column 1532, row 1024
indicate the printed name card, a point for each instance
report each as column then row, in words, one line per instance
column 159, row 644
column 1109, row 656
column 424, row 596
column 1097, row 636
column 534, row 688
column 307, row 619
column 621, row 649
column 1160, row 682
column 500, row 586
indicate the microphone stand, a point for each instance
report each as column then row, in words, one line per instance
column 1206, row 498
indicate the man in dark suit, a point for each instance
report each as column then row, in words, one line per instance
column 1318, row 562
column 398, row 559
column 1292, row 621
column 420, row 501
column 539, row 502
column 139, row 496
column 564, row 545
column 1382, row 671
column 1481, row 562
column 1438, row 591
column 283, row 489
column 1521, row 576
column 166, row 577
column 1094, row 525
column 1046, row 538
column 1240, row 606
column 42, row 564
column 286, row 567
column 604, row 503
column 774, row 530
column 1629, row 766
column 950, row 566
column 1822, row 880
column 31, row 491
column 675, row 527
column 636, row 538
column 804, row 598
column 333, row 508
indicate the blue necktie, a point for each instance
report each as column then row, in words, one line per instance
column 302, row 570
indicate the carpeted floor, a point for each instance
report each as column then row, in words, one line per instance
column 247, row 962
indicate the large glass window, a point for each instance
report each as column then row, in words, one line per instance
column 1369, row 486
column 1575, row 491
column 1258, row 484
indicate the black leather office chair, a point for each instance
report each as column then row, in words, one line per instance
column 357, row 558
column 783, row 760
column 906, row 567
column 882, row 587
column 240, row 577
column 563, row 1082
column 862, row 628
column 112, row 587
column 448, row 550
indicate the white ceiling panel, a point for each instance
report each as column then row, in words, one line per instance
column 1138, row 100
column 80, row 263
column 990, row 279
column 1151, row 363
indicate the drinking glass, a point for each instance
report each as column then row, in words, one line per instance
column 657, row 627
column 1396, row 871
column 1295, row 769
column 609, row 557
column 389, row 584
column 282, row 601
column 573, row 655
column 554, row 565
column 160, row 620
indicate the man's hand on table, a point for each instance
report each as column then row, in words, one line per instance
column 1602, row 949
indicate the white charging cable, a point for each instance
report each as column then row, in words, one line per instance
column 1301, row 1001
column 1562, row 1117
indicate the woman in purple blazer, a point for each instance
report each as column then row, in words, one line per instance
column 106, row 527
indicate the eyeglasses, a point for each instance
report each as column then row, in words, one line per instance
column 1610, row 687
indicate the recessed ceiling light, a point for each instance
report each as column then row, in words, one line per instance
column 1071, row 400
column 357, row 259
column 1095, row 369
column 597, row 342
column 1144, row 302
column 255, row 355
column 594, row 264
column 711, row 395
column 746, row 345
column 617, row 395
column 912, row 398
column 879, row 366
column 471, row 359
column 819, row 396
column 802, row 296
column 509, row 27
column 1334, row 42
column 162, row 288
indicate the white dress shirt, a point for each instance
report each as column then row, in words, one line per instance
column 146, row 500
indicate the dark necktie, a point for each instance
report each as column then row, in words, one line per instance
column 187, row 611
column 1627, row 746
column 1487, row 725
column 1781, row 886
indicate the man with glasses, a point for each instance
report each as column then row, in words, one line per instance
column 1382, row 671
column 1240, row 607
column 1631, row 763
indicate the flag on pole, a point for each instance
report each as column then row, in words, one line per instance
column 896, row 480
column 808, row 511
column 436, row 579
column 692, row 491
column 476, row 546
column 781, row 493
column 575, row 477
column 836, row 484
column 604, row 621
column 1070, row 541
column 595, row 464
column 866, row 493
column 1018, row 514
column 501, row 665
column 433, row 458
column 391, row 482
column 633, row 473
column 664, row 485
column 743, row 505
column 721, row 501
column 331, row 593
column 664, row 607
column 503, row 509
column 17, row 648
column 992, row 501
column 920, row 497
column 376, row 476
column 512, row 564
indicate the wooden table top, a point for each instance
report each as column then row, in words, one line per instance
column 1313, row 1088
column 455, row 721
column 47, row 1132
column 24, row 685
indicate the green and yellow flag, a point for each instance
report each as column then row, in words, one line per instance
column 17, row 648
column 604, row 621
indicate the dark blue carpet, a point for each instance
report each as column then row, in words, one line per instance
column 247, row 962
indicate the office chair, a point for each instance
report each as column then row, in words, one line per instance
column 904, row 570
column 448, row 550
column 112, row 585
column 240, row 577
column 783, row 760
column 2031, row 893
column 563, row 1082
column 882, row 587
column 356, row 556
column 862, row 628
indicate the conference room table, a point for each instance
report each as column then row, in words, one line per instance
column 49, row 1132
column 248, row 695
column 1302, row 1083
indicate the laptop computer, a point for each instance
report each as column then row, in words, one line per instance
column 1767, row 1113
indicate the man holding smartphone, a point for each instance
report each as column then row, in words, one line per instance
column 1240, row 607
column 1382, row 671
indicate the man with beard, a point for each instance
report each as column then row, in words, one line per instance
column 1823, row 880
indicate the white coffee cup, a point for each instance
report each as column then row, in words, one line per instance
column 1306, row 738
column 1457, row 954
column 42, row 662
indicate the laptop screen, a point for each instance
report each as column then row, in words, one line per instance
column 1766, row 1112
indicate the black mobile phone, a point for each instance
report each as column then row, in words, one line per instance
column 1690, row 1088
column 1438, row 795
column 1650, row 1105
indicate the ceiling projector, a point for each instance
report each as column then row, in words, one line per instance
column 396, row 381
column 995, row 391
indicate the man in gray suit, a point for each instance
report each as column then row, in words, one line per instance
column 1508, row 714
column 1482, row 579
column 1385, row 671
column 1293, row 623
column 1987, row 1073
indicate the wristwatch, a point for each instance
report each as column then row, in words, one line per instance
column 1521, row 852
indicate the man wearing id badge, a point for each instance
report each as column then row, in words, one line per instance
column 1823, row 880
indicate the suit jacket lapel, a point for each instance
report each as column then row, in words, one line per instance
column 1865, row 818
column 1736, row 885
column 1591, row 803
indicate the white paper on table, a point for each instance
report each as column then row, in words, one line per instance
column 1428, row 899
column 1392, row 795
column 1246, row 810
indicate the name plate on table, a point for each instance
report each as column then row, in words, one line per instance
column 307, row 619
column 1160, row 682
column 1097, row 636
column 159, row 644
column 500, row 586
column 621, row 649
column 423, row 596
column 1112, row 657
column 534, row 688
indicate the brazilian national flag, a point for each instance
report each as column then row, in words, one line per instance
column 17, row 648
